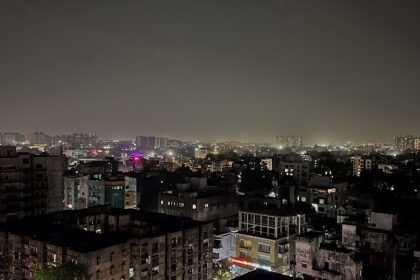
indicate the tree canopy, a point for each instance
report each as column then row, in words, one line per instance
column 68, row 271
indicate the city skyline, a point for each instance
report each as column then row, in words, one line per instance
column 212, row 70
column 272, row 141
column 198, row 140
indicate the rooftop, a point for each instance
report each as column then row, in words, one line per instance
column 333, row 246
column 64, row 236
column 152, row 223
column 259, row 274
column 310, row 234
column 299, row 208
column 60, row 228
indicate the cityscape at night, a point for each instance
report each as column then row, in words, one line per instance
column 199, row 140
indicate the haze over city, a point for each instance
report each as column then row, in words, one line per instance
column 211, row 70
column 209, row 140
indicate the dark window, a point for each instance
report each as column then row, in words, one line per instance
column 155, row 248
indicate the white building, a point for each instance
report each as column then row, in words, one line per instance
column 268, row 163
column 224, row 245
column 318, row 260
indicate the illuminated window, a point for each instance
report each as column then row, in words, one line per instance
column 194, row 206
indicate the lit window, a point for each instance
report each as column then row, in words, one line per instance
column 194, row 206
column 206, row 205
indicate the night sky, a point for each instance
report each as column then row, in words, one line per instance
column 212, row 70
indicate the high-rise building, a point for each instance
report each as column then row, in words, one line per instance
column 292, row 142
column 141, row 142
column 30, row 184
column 11, row 138
column 408, row 142
column 77, row 140
column 162, row 142
column 146, row 142
column 39, row 138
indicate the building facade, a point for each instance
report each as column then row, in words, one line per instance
column 319, row 260
column 360, row 164
column 83, row 191
column 29, row 184
column 113, row 243
column 264, row 239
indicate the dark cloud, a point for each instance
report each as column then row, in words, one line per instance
column 333, row 70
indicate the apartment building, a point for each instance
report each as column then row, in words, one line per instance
column 296, row 167
column 361, row 163
column 265, row 236
column 316, row 259
column 324, row 194
column 83, row 191
column 113, row 243
column 197, row 200
column 30, row 184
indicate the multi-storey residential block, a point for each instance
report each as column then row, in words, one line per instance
column 83, row 191
column 361, row 163
column 408, row 142
column 377, row 248
column 30, row 184
column 316, row 259
column 112, row 243
column 196, row 200
column 11, row 138
column 325, row 195
column 293, row 142
column 295, row 167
